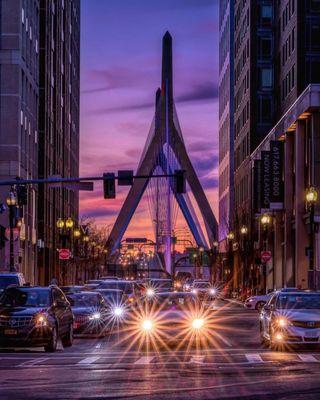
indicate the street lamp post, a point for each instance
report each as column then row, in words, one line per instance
column 230, row 238
column 11, row 203
column 311, row 199
column 265, row 222
column 244, row 233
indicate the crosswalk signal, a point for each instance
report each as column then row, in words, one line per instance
column 109, row 186
column 180, row 181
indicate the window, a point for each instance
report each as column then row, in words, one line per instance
column 315, row 36
column 265, row 110
column 266, row 14
column 266, row 77
column 265, row 48
column 315, row 5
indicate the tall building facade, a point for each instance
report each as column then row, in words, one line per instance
column 226, row 117
column 39, row 123
column 19, row 97
column 276, row 56
column 58, row 123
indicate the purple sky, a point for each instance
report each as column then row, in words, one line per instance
column 120, row 72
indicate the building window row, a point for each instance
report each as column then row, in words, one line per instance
column 224, row 141
column 224, row 180
column 242, row 151
column 287, row 13
column 288, row 47
column 288, row 83
column 242, row 119
column 241, row 192
column 242, row 90
column 242, row 61
column 242, row 33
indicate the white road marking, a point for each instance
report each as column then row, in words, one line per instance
column 307, row 358
column 33, row 362
column 98, row 346
column 197, row 359
column 144, row 360
column 88, row 360
column 254, row 358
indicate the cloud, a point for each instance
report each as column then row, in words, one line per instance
column 203, row 91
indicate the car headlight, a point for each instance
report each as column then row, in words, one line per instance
column 194, row 291
column 251, row 300
column 187, row 287
column 147, row 325
column 213, row 291
column 118, row 311
column 198, row 323
column 95, row 316
column 41, row 320
column 282, row 322
column 150, row 292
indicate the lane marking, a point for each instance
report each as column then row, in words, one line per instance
column 254, row 358
column 307, row 358
column 144, row 360
column 197, row 360
column 98, row 346
column 88, row 360
column 31, row 363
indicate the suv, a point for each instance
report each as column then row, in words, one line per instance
column 35, row 316
column 11, row 278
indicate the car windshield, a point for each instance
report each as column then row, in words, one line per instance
column 160, row 285
column 25, row 297
column 125, row 287
column 83, row 300
column 111, row 296
column 174, row 301
column 5, row 281
column 299, row 301
column 202, row 285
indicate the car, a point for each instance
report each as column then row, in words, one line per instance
column 90, row 312
column 204, row 290
column 94, row 281
column 171, row 318
column 11, row 278
column 257, row 302
column 109, row 277
column 112, row 296
column 127, row 287
column 159, row 284
column 71, row 289
column 291, row 318
column 35, row 316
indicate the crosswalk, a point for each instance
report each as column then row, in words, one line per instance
column 136, row 360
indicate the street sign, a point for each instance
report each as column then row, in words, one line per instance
column 64, row 254
column 136, row 240
column 265, row 256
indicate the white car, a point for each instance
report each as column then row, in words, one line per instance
column 291, row 318
column 257, row 302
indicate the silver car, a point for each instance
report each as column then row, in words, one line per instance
column 291, row 318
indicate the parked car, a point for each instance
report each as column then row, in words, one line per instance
column 35, row 316
column 291, row 318
column 204, row 290
column 257, row 302
column 90, row 312
column 127, row 287
column 71, row 289
column 11, row 278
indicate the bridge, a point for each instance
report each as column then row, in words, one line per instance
column 165, row 152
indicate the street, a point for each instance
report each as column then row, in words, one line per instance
column 237, row 367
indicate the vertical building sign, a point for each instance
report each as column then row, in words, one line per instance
column 266, row 181
column 276, row 175
column 257, row 186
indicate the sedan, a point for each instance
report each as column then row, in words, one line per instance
column 204, row 290
column 90, row 312
column 257, row 302
column 35, row 316
column 291, row 318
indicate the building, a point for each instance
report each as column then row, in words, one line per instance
column 39, row 123
column 19, row 95
column 276, row 56
column 226, row 120
column 58, row 124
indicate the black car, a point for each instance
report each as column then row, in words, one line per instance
column 71, row 289
column 35, row 316
column 90, row 312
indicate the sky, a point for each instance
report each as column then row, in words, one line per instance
column 120, row 71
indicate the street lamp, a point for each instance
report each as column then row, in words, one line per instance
column 86, row 238
column 230, row 236
column 69, row 223
column 311, row 199
column 77, row 233
column 244, row 230
column 11, row 201
column 60, row 223
column 265, row 219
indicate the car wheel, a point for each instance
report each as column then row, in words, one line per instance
column 259, row 305
column 51, row 347
column 67, row 340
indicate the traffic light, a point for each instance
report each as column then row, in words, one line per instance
column 109, row 186
column 22, row 195
column 125, row 178
column 180, row 181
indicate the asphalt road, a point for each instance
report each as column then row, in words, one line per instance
column 236, row 366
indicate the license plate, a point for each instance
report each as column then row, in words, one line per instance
column 311, row 334
column 10, row 332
